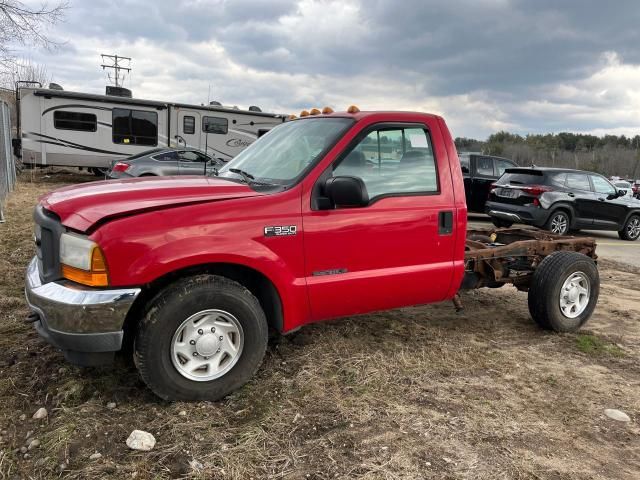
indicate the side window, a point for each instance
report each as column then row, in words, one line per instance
column 464, row 163
column 189, row 125
column 134, row 127
column 578, row 181
column 501, row 166
column 484, row 166
column 167, row 157
column 189, row 156
column 558, row 179
column 82, row 122
column 215, row 125
column 392, row 161
column 601, row 185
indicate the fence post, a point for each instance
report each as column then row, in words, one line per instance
column 7, row 164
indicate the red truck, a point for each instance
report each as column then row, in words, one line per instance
column 328, row 215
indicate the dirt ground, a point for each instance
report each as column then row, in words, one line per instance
column 418, row 392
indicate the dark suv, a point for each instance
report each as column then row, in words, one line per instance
column 479, row 173
column 561, row 200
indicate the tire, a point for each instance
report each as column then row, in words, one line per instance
column 554, row 274
column 498, row 222
column 631, row 229
column 194, row 302
column 558, row 223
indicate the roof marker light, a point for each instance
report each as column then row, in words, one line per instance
column 292, row 117
column 327, row 110
column 304, row 113
column 314, row 111
column 353, row 109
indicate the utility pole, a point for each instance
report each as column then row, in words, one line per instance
column 113, row 63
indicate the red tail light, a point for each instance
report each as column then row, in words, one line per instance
column 120, row 167
column 535, row 190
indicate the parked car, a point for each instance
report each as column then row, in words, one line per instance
column 479, row 173
column 165, row 161
column 302, row 226
column 561, row 200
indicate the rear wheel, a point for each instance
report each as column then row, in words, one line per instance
column 201, row 338
column 631, row 229
column 558, row 223
column 500, row 223
column 564, row 291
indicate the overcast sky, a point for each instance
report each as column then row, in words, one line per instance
column 523, row 66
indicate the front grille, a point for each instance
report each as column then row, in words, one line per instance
column 47, row 238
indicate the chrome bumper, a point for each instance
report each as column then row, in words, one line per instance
column 76, row 318
column 505, row 215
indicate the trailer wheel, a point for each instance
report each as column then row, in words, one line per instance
column 201, row 338
column 564, row 291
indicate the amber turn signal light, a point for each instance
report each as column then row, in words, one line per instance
column 96, row 277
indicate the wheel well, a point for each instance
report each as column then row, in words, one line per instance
column 566, row 209
column 258, row 284
column 148, row 175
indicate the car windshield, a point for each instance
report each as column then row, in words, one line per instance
column 623, row 185
column 283, row 154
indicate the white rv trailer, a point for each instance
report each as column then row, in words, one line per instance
column 64, row 128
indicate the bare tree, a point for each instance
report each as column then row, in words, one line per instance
column 24, row 70
column 25, row 25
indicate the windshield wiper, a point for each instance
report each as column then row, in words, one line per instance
column 250, row 179
column 247, row 177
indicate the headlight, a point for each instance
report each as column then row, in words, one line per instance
column 82, row 261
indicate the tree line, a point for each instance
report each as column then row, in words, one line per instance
column 608, row 155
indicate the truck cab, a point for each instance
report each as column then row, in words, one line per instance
column 480, row 172
column 327, row 215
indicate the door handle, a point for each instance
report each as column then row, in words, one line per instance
column 445, row 223
column 571, row 194
column 601, row 199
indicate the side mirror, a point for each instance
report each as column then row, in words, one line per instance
column 346, row 191
column 621, row 193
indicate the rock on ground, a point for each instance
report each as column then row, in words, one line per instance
column 40, row 413
column 618, row 415
column 141, row 440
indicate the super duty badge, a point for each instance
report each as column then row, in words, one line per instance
column 280, row 230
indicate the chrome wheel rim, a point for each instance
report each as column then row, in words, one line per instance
column 633, row 228
column 559, row 224
column 207, row 345
column 574, row 295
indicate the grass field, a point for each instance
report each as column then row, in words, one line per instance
column 413, row 393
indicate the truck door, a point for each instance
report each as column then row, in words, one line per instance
column 579, row 189
column 482, row 178
column 188, row 129
column 399, row 248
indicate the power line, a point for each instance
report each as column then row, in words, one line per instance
column 114, row 59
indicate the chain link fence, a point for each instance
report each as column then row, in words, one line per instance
column 7, row 164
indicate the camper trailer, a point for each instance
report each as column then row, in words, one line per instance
column 64, row 128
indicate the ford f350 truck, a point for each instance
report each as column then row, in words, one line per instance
column 328, row 215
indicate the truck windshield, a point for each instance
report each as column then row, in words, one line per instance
column 282, row 155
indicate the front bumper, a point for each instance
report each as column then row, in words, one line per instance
column 85, row 323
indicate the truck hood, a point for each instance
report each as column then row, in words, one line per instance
column 82, row 206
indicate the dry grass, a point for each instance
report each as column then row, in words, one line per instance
column 413, row 393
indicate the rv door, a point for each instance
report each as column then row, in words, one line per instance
column 188, row 129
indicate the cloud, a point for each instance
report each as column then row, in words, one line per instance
column 500, row 64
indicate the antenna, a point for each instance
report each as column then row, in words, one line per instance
column 113, row 63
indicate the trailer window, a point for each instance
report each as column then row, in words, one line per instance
column 189, row 125
column 134, row 127
column 83, row 122
column 215, row 125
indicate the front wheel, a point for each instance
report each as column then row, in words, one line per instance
column 631, row 229
column 558, row 223
column 498, row 222
column 202, row 338
column 564, row 291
